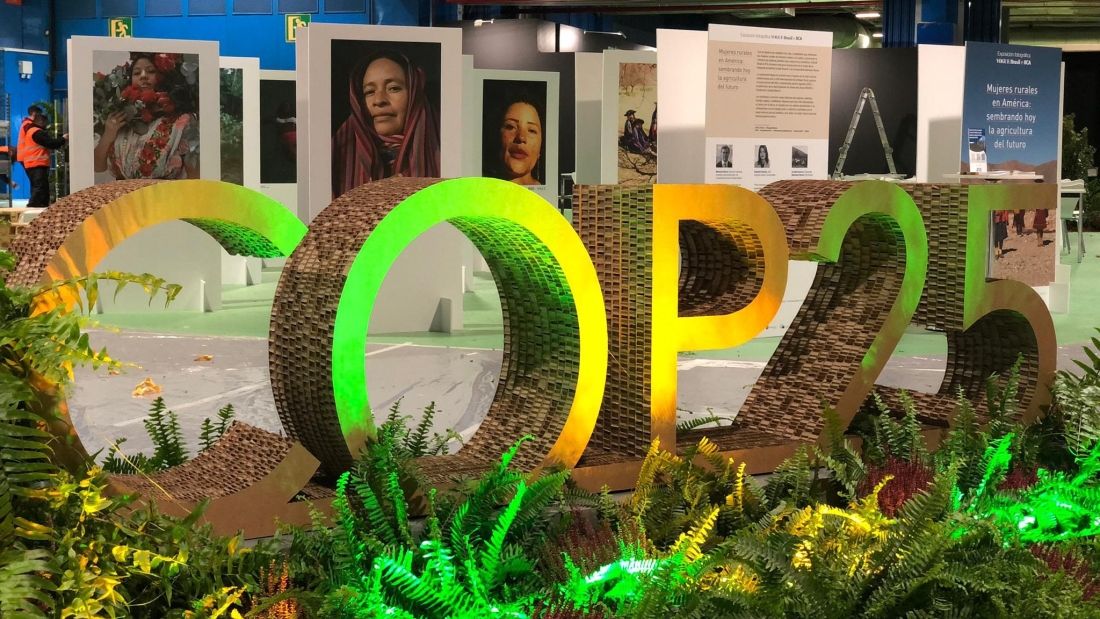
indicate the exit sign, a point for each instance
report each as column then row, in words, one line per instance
column 121, row 27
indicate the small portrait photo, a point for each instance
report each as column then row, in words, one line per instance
column 761, row 159
column 800, row 157
column 514, row 130
column 232, row 124
column 278, row 132
column 723, row 156
column 385, row 111
column 146, row 115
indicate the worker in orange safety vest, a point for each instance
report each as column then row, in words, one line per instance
column 34, row 153
column 32, row 112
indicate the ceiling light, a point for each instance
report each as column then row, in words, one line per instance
column 877, row 35
column 868, row 15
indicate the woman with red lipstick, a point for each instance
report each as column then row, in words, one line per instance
column 156, row 135
column 393, row 129
column 520, row 138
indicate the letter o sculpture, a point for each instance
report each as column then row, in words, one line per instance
column 555, row 331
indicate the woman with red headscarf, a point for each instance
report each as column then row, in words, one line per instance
column 393, row 130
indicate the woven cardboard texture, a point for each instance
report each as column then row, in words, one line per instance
column 242, row 457
column 723, row 270
column 37, row 246
column 821, row 354
column 992, row 345
column 250, row 474
column 616, row 225
column 541, row 339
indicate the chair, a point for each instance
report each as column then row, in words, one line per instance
column 1068, row 212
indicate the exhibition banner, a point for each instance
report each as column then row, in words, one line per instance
column 1012, row 124
column 1011, row 119
column 767, row 105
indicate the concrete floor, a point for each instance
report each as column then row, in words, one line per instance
column 461, row 381
column 456, row 371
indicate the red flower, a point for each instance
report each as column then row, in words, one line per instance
column 160, row 142
column 99, row 75
column 164, row 62
column 149, row 97
column 146, row 116
column 145, row 169
column 147, row 154
column 168, row 107
column 131, row 93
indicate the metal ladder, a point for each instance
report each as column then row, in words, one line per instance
column 866, row 95
column 6, row 168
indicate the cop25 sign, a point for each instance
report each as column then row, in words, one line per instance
column 595, row 313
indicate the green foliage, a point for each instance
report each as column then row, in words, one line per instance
column 211, row 432
column 66, row 548
column 673, row 492
column 1077, row 154
column 897, row 438
column 1078, row 401
column 1060, row 506
column 470, row 560
column 411, row 443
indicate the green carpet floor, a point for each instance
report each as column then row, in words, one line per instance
column 246, row 310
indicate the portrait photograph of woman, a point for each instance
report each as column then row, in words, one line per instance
column 762, row 160
column 146, row 121
column 514, row 131
column 385, row 111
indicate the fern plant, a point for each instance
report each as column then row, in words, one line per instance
column 211, row 432
column 163, row 428
column 472, row 555
column 673, row 492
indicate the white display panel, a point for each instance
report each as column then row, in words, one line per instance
column 767, row 94
column 629, row 83
column 250, row 119
column 940, row 70
column 280, row 135
column 354, row 127
column 682, row 97
column 588, row 87
column 501, row 99
column 166, row 131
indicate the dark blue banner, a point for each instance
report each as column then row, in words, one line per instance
column 1010, row 109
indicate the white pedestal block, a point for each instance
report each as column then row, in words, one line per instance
column 175, row 251
column 428, row 270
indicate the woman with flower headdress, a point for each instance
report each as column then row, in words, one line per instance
column 393, row 130
column 155, row 133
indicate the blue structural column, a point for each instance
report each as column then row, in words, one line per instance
column 982, row 21
column 937, row 22
column 899, row 23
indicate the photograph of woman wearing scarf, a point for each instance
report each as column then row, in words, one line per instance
column 393, row 126
column 514, row 131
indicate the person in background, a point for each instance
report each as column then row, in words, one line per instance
column 6, row 179
column 653, row 128
column 22, row 140
column 1040, row 224
column 36, row 160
